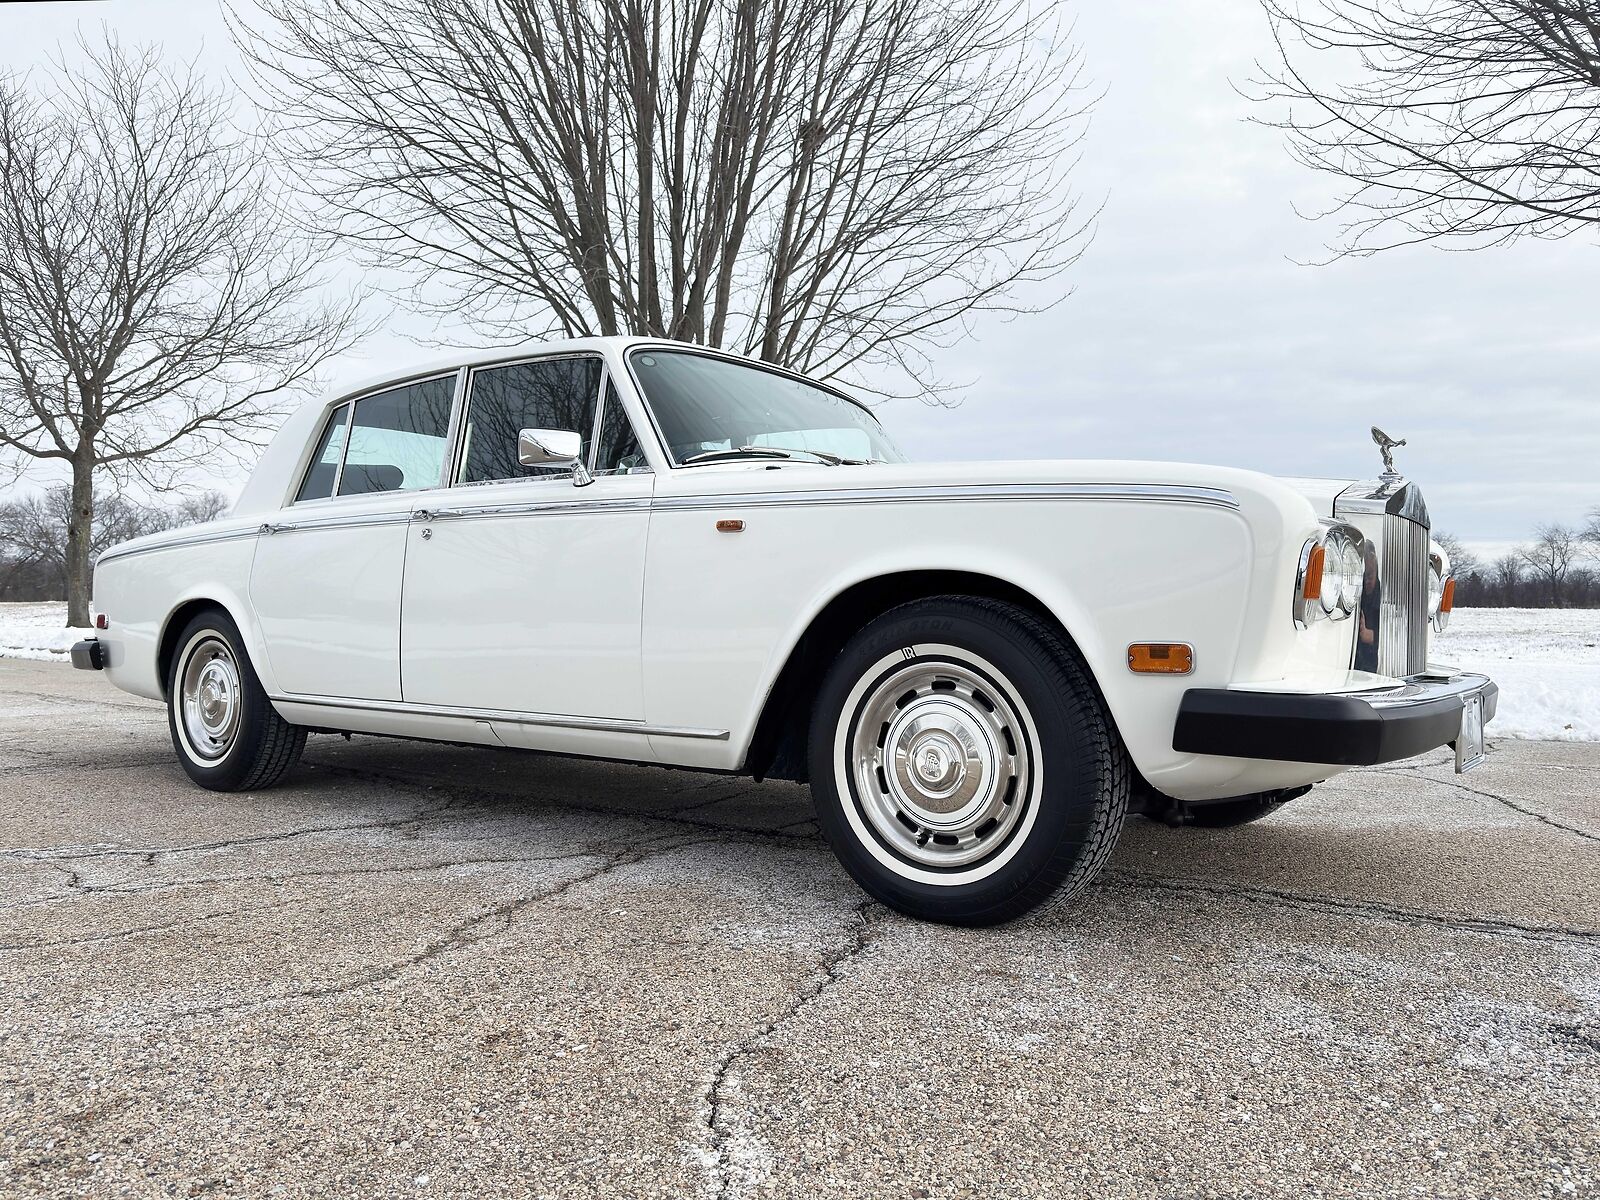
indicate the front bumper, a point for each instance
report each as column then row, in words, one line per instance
column 88, row 655
column 1355, row 729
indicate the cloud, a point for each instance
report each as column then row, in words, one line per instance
column 1192, row 333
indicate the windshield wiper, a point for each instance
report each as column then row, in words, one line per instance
column 832, row 460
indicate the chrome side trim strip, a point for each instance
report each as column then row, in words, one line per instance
column 1149, row 492
column 507, row 717
column 1160, row 493
column 351, row 522
column 198, row 539
column 598, row 504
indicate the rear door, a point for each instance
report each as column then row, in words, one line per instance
column 326, row 580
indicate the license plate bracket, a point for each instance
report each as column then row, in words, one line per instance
column 1469, row 741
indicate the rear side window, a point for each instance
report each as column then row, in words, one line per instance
column 324, row 470
column 398, row 439
column 556, row 393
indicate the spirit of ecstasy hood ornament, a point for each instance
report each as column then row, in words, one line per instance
column 1387, row 445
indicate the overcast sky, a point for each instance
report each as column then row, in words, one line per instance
column 1192, row 333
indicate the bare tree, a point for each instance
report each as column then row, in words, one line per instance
column 1475, row 119
column 1508, row 572
column 1552, row 557
column 830, row 184
column 36, row 530
column 1463, row 562
column 1591, row 530
column 152, row 302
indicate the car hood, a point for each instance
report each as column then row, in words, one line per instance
column 766, row 475
column 1321, row 492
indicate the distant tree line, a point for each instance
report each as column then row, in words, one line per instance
column 1560, row 568
column 35, row 537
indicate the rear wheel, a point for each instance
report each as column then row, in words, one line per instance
column 227, row 734
column 963, row 766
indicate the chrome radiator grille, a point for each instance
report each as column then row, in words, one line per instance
column 1403, row 611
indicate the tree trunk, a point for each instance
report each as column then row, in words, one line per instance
column 79, row 531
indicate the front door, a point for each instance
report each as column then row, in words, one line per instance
column 522, row 591
column 325, row 583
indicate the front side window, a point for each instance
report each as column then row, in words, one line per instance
column 557, row 393
column 324, row 471
column 398, row 439
column 705, row 405
column 618, row 452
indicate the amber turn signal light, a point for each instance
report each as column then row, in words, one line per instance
column 1312, row 588
column 728, row 525
column 1447, row 600
column 1160, row 658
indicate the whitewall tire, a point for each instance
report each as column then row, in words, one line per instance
column 227, row 735
column 962, row 762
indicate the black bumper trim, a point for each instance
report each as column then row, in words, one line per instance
column 1351, row 730
column 89, row 655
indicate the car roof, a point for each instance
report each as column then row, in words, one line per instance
column 348, row 383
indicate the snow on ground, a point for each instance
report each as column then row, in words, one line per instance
column 1546, row 661
column 37, row 631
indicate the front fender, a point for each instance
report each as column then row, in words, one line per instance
column 723, row 614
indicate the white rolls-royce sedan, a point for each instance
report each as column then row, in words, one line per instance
column 642, row 550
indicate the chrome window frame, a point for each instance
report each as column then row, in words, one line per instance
column 600, row 424
column 311, row 463
column 350, row 401
column 706, row 352
column 464, row 401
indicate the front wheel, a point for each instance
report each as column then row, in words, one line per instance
column 228, row 736
column 963, row 765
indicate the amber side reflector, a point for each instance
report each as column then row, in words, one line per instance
column 1448, row 600
column 1311, row 589
column 729, row 526
column 1160, row 658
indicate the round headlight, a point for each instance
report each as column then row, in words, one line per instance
column 1355, row 575
column 1332, row 574
column 1435, row 584
column 1341, row 580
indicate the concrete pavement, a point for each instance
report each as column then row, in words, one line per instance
column 416, row 970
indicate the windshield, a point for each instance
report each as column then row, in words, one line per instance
column 705, row 404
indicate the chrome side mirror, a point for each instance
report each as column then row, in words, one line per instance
column 554, row 448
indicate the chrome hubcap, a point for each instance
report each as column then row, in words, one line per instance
column 209, row 696
column 940, row 761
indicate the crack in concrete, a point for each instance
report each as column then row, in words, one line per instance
column 464, row 933
column 1376, row 910
column 866, row 918
column 130, row 888
column 481, row 792
column 53, row 854
column 178, row 923
column 1417, row 772
column 711, row 803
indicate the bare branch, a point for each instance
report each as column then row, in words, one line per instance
column 1476, row 121
column 156, row 300
column 837, row 185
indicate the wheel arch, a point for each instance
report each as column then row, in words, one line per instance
column 184, row 612
column 777, row 748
